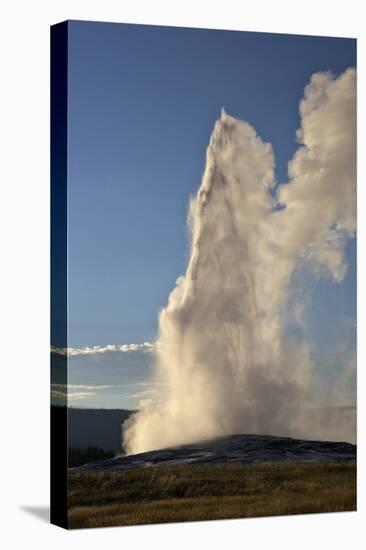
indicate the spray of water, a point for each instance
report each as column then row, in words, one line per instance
column 223, row 358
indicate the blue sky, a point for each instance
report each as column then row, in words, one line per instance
column 142, row 104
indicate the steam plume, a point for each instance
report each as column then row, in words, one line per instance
column 221, row 350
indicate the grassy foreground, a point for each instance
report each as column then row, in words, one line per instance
column 204, row 492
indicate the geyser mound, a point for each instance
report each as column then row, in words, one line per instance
column 234, row 449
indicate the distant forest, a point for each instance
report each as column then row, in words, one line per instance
column 78, row 456
column 93, row 434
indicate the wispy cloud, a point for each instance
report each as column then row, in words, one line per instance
column 65, row 388
column 150, row 390
column 92, row 350
column 71, row 395
column 140, row 391
column 145, row 393
column 94, row 387
column 153, row 383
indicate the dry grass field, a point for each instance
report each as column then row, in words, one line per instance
column 208, row 492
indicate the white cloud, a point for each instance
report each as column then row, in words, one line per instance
column 92, row 350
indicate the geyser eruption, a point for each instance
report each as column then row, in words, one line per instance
column 223, row 358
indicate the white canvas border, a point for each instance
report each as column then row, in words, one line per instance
column 25, row 269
